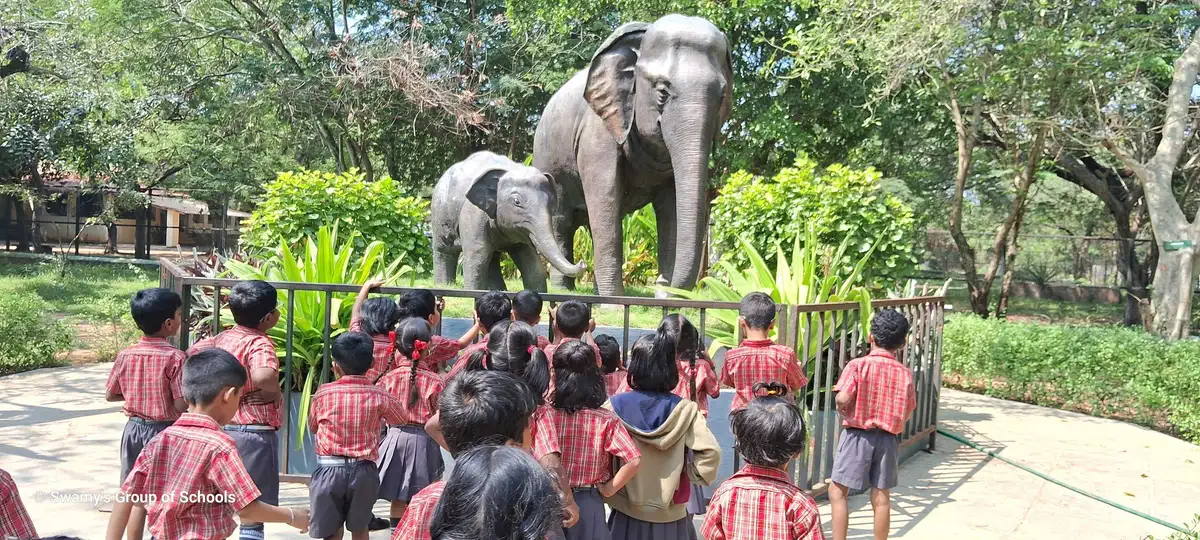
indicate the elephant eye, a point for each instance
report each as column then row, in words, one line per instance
column 663, row 95
column 516, row 200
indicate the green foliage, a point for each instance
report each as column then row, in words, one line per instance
column 842, row 205
column 802, row 281
column 297, row 204
column 1105, row 371
column 322, row 259
column 31, row 335
column 639, row 241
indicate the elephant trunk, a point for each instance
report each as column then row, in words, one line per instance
column 689, row 140
column 548, row 247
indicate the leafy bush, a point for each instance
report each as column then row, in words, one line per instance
column 842, row 204
column 30, row 336
column 800, row 282
column 1105, row 371
column 639, row 241
column 297, row 204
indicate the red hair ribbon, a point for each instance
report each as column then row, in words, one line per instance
column 418, row 346
column 391, row 344
column 530, row 349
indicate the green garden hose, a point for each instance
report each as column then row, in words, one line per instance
column 1043, row 476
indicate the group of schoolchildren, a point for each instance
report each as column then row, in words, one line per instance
column 544, row 433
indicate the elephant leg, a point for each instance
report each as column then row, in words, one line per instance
column 564, row 233
column 445, row 264
column 599, row 166
column 533, row 272
column 475, row 268
column 495, row 279
column 664, row 215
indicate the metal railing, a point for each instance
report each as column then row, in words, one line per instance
column 824, row 336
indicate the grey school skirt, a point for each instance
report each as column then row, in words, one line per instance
column 591, row 525
column 409, row 460
column 623, row 527
column 137, row 433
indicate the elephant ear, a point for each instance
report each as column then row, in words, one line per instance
column 609, row 89
column 483, row 192
column 727, row 98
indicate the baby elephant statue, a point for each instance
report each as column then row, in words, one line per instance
column 486, row 204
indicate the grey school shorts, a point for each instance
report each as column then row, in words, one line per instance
column 259, row 448
column 867, row 458
column 341, row 492
column 137, row 433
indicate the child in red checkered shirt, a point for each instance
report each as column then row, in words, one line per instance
column 479, row 408
column 422, row 304
column 491, row 308
column 527, row 308
column 346, row 418
column 147, row 377
column 758, row 359
column 760, row 502
column 610, row 358
column 255, row 426
column 875, row 398
column 572, row 322
column 409, row 459
column 14, row 520
column 190, row 478
column 377, row 318
column 590, row 438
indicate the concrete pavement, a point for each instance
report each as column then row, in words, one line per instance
column 59, row 439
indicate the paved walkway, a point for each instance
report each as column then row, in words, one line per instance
column 58, row 439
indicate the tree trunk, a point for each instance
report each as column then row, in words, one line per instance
column 37, row 204
column 1010, row 267
column 23, row 229
column 965, row 135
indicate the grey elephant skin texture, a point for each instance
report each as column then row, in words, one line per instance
column 636, row 127
column 488, row 204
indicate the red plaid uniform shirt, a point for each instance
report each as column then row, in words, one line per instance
column 14, row 520
column 149, row 375
column 419, row 514
column 760, row 361
column 429, row 387
column 883, row 392
column 461, row 364
column 545, row 433
column 549, row 350
column 381, row 356
column 706, row 383
column 441, row 351
column 348, row 416
column 616, row 382
column 195, row 457
column 760, row 503
column 589, row 439
column 255, row 350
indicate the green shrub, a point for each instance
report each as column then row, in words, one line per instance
column 1105, row 371
column 839, row 202
column 30, row 336
column 639, row 241
column 297, row 204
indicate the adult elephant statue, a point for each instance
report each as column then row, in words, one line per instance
column 636, row 127
column 486, row 204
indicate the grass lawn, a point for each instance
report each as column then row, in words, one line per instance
column 92, row 298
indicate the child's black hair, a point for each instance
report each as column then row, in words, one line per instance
column 651, row 370
column 572, row 318
column 492, row 308
column 758, row 310
column 610, row 352
column 419, row 303
column 527, row 305
column 484, row 407
column 378, row 316
column 497, row 493
column 889, row 328
column 251, row 302
column 412, row 340
column 770, row 430
column 578, row 383
column 153, row 307
column 677, row 330
column 354, row 352
column 207, row 373
column 512, row 347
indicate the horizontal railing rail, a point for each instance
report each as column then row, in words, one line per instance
column 825, row 337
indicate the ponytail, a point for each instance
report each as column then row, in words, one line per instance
column 412, row 338
column 537, row 373
column 418, row 347
column 692, row 377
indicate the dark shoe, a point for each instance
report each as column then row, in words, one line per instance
column 378, row 524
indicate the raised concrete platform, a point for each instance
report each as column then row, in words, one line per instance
column 59, row 438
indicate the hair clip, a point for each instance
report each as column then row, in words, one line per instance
column 418, row 346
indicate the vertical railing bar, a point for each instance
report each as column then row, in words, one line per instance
column 844, row 357
column 185, row 310
column 624, row 337
column 781, row 314
column 806, row 476
column 216, row 322
column 325, row 341
column 703, row 334
column 288, row 378
column 818, row 394
column 830, row 419
column 923, row 381
column 936, row 394
column 665, row 312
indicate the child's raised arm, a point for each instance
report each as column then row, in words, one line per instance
column 434, row 429
column 469, row 337
column 362, row 297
